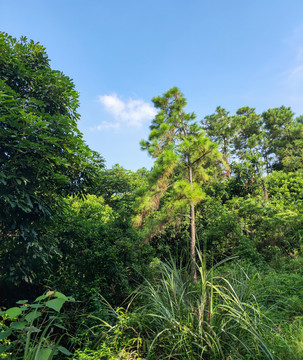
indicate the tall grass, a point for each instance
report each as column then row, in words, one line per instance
column 175, row 317
column 208, row 319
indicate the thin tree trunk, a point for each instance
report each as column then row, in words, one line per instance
column 225, row 158
column 192, row 230
column 193, row 242
column 265, row 193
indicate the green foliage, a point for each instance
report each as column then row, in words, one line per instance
column 279, row 132
column 215, row 319
column 185, row 160
column 246, row 202
column 220, row 228
column 105, row 352
column 293, row 334
column 251, row 228
column 183, row 157
column 256, row 144
column 210, row 321
column 42, row 154
column 118, row 187
column 98, row 251
column 286, row 189
column 34, row 330
column 118, row 341
column 221, row 128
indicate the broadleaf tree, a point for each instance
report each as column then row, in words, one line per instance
column 221, row 128
column 185, row 159
column 283, row 139
column 42, row 154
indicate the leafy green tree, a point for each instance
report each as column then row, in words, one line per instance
column 118, row 187
column 185, row 159
column 280, row 132
column 248, row 167
column 42, row 154
column 286, row 189
column 292, row 152
column 248, row 131
column 221, row 128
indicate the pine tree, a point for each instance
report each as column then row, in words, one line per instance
column 185, row 159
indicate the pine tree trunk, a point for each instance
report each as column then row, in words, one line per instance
column 192, row 230
column 193, row 242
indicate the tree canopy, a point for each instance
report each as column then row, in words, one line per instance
column 42, row 153
column 185, row 157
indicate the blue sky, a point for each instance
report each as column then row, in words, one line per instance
column 122, row 53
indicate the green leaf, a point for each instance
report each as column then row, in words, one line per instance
column 18, row 325
column 36, row 306
column 32, row 329
column 55, row 304
column 61, row 326
column 13, row 312
column 42, row 297
column 21, row 302
column 64, row 350
column 4, row 348
column 60, row 296
column 32, row 316
column 5, row 334
column 44, row 354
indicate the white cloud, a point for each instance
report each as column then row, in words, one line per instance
column 130, row 113
column 106, row 125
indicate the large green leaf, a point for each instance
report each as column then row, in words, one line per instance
column 64, row 350
column 20, row 325
column 5, row 334
column 4, row 348
column 60, row 296
column 32, row 316
column 55, row 304
column 21, row 302
column 44, row 354
column 13, row 312
column 39, row 298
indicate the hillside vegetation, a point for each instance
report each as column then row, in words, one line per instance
column 198, row 258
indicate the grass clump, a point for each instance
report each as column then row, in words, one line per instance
column 175, row 317
column 208, row 319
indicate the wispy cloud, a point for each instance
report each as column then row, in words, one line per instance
column 133, row 112
column 294, row 74
column 106, row 125
column 292, row 77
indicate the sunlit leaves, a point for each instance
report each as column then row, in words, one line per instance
column 184, row 160
column 42, row 154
